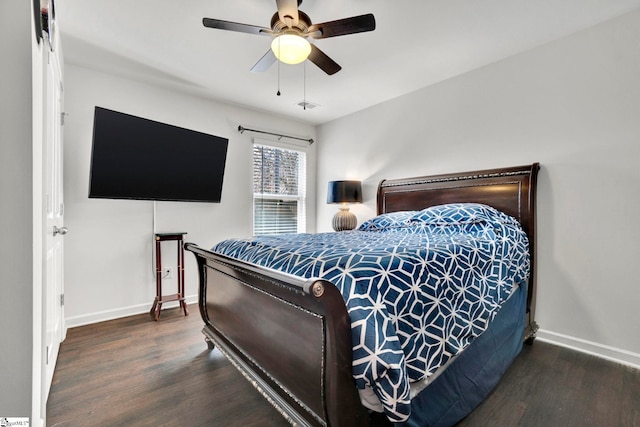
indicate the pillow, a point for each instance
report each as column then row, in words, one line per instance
column 388, row 220
column 461, row 213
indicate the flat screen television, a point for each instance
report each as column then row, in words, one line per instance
column 141, row 159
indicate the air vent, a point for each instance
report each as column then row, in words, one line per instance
column 307, row 105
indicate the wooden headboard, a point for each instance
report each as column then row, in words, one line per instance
column 511, row 190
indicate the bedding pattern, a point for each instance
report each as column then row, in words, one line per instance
column 418, row 286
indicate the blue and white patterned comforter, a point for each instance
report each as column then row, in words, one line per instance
column 419, row 286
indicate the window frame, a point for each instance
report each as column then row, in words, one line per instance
column 301, row 197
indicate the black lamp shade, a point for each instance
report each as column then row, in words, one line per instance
column 344, row 192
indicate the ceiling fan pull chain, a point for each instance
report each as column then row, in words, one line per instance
column 278, row 93
column 304, row 85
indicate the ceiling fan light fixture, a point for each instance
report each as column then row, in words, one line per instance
column 291, row 48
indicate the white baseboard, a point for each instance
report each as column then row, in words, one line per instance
column 595, row 349
column 102, row 316
column 599, row 350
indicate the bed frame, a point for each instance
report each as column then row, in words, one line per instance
column 291, row 337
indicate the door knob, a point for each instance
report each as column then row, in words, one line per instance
column 59, row 230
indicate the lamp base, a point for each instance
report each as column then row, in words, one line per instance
column 344, row 220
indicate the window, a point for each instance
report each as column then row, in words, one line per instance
column 279, row 190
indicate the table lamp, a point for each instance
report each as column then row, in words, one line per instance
column 344, row 192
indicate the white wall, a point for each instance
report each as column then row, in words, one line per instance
column 20, row 213
column 15, row 209
column 572, row 105
column 108, row 251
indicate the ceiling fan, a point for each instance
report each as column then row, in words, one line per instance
column 291, row 28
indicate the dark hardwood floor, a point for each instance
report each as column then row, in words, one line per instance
column 137, row 372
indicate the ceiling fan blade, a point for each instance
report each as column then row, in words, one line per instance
column 235, row 26
column 265, row 62
column 325, row 63
column 341, row 27
column 288, row 12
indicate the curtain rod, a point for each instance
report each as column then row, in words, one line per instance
column 242, row 129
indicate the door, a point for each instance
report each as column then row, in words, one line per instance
column 53, row 301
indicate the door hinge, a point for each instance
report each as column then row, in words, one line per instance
column 62, row 118
column 61, row 299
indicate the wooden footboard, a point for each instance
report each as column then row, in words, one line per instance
column 290, row 337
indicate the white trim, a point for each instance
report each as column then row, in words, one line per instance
column 102, row 316
column 613, row 354
column 38, row 363
column 301, row 197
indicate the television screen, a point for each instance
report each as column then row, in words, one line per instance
column 136, row 158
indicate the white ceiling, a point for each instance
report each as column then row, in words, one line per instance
column 416, row 43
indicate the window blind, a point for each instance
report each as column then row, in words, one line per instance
column 279, row 183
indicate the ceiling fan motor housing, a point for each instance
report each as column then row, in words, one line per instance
column 301, row 29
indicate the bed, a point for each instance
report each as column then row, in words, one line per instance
column 293, row 336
